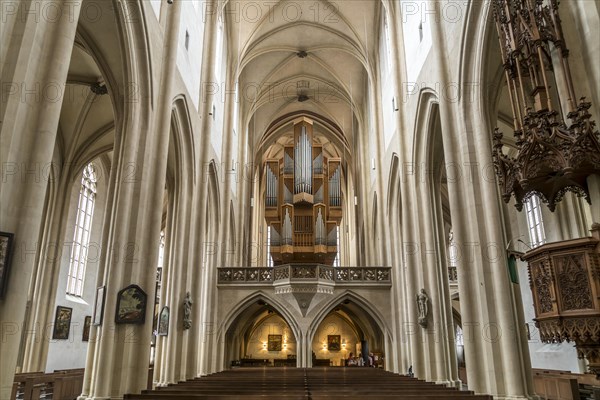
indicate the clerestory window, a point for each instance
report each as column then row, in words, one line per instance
column 83, row 226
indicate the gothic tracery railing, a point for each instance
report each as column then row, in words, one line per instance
column 304, row 273
column 452, row 274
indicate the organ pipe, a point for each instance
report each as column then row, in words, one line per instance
column 287, row 228
column 332, row 237
column 275, row 238
column 297, row 162
column 320, row 229
column 272, row 189
column 303, row 164
column 287, row 195
column 335, row 188
column 319, row 195
column 318, row 164
column 310, row 185
column 307, row 163
column 288, row 164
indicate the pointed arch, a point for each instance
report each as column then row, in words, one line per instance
column 394, row 198
column 370, row 312
column 251, row 308
column 243, row 305
column 374, row 225
column 231, row 217
column 214, row 197
column 183, row 141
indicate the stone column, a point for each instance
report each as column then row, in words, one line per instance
column 228, row 171
column 497, row 357
column 594, row 188
column 396, row 357
column 243, row 212
column 380, row 255
column 221, row 256
column 55, row 241
column 36, row 45
column 93, row 344
column 414, row 279
column 439, row 347
column 173, row 270
column 137, row 185
column 199, row 328
column 175, row 355
column 499, row 326
column 304, row 350
column 163, row 371
column 406, row 280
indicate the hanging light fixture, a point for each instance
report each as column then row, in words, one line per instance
column 302, row 87
column 553, row 157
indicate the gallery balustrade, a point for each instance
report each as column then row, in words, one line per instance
column 304, row 273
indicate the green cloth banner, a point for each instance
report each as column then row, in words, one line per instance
column 512, row 268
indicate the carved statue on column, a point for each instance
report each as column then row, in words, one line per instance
column 422, row 300
column 187, row 311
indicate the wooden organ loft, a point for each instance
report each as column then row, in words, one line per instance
column 303, row 202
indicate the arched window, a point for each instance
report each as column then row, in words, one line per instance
column 452, row 258
column 269, row 256
column 219, row 49
column 336, row 261
column 388, row 42
column 83, row 226
column 533, row 209
column 161, row 262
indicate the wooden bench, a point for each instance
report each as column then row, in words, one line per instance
column 562, row 385
column 254, row 362
column 311, row 383
column 284, row 362
column 58, row 385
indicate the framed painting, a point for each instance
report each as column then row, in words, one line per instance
column 131, row 306
column 87, row 322
column 333, row 342
column 6, row 243
column 163, row 322
column 62, row 323
column 99, row 305
column 274, row 343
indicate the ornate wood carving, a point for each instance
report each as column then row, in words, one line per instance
column 553, row 156
column 542, row 282
column 573, row 283
column 564, row 278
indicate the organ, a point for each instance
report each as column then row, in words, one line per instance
column 303, row 200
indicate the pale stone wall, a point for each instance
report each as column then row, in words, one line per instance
column 335, row 325
column 273, row 325
column 72, row 353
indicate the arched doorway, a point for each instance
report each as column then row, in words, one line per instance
column 260, row 335
column 348, row 331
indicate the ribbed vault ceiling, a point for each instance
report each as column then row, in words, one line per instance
column 339, row 40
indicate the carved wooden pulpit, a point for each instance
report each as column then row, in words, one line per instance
column 565, row 281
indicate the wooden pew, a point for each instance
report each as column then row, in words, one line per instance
column 59, row 385
column 562, row 385
column 15, row 388
column 254, row 362
column 67, row 387
column 19, row 383
column 312, row 383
